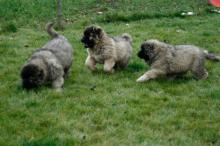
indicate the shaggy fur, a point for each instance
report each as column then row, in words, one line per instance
column 111, row 51
column 165, row 59
column 48, row 64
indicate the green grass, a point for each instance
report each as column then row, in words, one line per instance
column 101, row 109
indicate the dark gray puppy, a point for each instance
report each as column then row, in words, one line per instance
column 49, row 64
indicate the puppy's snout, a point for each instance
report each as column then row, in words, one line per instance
column 139, row 54
column 83, row 40
column 142, row 46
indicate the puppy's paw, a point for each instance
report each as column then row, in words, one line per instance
column 59, row 90
column 93, row 70
column 142, row 79
column 204, row 76
column 110, row 71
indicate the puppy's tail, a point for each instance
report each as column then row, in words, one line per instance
column 211, row 56
column 127, row 37
column 50, row 30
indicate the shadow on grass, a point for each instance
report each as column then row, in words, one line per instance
column 131, row 68
column 124, row 17
column 41, row 142
column 177, row 80
column 166, row 81
column 19, row 89
column 9, row 27
column 136, row 67
column 215, row 94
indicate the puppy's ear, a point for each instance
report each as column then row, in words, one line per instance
column 99, row 32
column 150, row 47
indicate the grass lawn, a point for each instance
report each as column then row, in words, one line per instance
column 101, row 109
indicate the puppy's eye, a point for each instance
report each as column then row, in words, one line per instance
column 150, row 47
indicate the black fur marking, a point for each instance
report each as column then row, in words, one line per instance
column 90, row 34
column 173, row 54
column 66, row 69
column 32, row 76
column 146, row 52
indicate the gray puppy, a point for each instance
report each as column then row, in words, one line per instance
column 48, row 64
column 165, row 59
column 111, row 51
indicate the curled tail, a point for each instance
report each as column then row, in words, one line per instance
column 211, row 56
column 127, row 37
column 50, row 30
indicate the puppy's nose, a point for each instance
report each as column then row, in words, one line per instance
column 86, row 46
column 142, row 46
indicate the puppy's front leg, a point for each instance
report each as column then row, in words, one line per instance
column 108, row 65
column 151, row 74
column 58, row 83
column 90, row 63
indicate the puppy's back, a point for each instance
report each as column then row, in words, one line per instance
column 181, row 57
column 188, row 49
column 59, row 46
column 123, row 46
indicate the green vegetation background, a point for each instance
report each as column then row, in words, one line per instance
column 101, row 109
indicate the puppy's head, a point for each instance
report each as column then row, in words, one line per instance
column 147, row 51
column 92, row 35
column 32, row 76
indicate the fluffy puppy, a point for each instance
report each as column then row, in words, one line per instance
column 48, row 64
column 110, row 51
column 165, row 59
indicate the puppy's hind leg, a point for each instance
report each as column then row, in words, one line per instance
column 90, row 63
column 58, row 84
column 108, row 66
column 122, row 64
column 66, row 71
column 151, row 74
column 198, row 69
